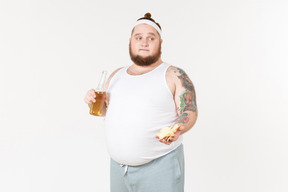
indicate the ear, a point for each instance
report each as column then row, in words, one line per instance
column 161, row 41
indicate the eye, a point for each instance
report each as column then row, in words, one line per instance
column 151, row 38
column 138, row 38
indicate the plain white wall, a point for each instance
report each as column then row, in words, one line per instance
column 52, row 52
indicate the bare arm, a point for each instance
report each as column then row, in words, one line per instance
column 185, row 99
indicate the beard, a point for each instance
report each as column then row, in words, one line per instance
column 145, row 61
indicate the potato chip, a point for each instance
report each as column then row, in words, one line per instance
column 175, row 127
column 164, row 132
column 168, row 132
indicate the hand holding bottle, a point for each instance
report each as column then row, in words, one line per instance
column 90, row 97
column 96, row 99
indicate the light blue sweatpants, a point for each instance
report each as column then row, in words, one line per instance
column 165, row 174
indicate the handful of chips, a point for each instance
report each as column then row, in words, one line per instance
column 167, row 132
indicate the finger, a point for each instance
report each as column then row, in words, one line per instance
column 168, row 142
column 175, row 137
column 93, row 99
column 165, row 141
column 92, row 94
column 91, row 91
column 87, row 100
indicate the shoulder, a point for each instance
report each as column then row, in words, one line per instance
column 179, row 77
column 111, row 76
column 175, row 73
column 172, row 78
column 114, row 72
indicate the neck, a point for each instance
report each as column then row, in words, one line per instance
column 139, row 70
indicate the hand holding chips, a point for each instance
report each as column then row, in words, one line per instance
column 167, row 132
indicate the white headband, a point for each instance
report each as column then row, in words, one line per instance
column 146, row 21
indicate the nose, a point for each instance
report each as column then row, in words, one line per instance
column 144, row 42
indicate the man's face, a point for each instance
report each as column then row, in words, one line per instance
column 145, row 45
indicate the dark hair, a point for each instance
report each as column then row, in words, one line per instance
column 148, row 17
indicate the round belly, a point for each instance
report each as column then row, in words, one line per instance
column 135, row 144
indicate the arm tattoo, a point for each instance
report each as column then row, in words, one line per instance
column 188, row 96
column 183, row 118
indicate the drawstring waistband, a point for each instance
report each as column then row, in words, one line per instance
column 126, row 168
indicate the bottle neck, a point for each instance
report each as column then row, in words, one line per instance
column 102, row 81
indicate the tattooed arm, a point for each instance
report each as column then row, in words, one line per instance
column 185, row 100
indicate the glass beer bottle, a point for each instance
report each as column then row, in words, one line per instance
column 99, row 107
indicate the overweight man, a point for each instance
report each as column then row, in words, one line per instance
column 143, row 98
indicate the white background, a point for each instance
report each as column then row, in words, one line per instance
column 52, row 52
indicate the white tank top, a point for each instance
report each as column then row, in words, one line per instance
column 139, row 106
